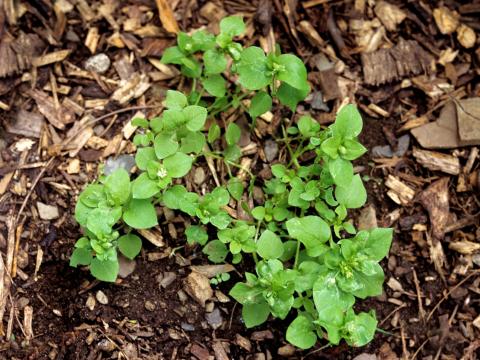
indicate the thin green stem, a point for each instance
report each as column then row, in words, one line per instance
column 289, row 148
column 297, row 252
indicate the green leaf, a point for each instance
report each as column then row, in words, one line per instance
column 176, row 100
column 196, row 116
column 232, row 26
column 196, row 235
column 260, row 104
column 372, row 284
column 235, row 188
column 140, row 214
column 165, row 144
column 172, row 55
column 143, row 187
column 140, row 122
column 269, row 245
column 311, row 231
column 117, row 185
column 246, row 294
column 213, row 133
column 331, row 303
column 173, row 196
column 81, row 256
column 130, row 245
column 258, row 213
column 81, row 213
column 252, row 69
column 220, row 220
column 101, row 220
column 178, row 165
column 232, row 153
column 378, row 243
column 191, row 67
column 353, row 195
column 348, row 123
column 215, row 62
column 308, row 272
column 143, row 156
column 216, row 251
column 294, row 73
column 232, row 134
column 331, row 146
column 360, row 330
column 307, row 126
column 106, row 270
column 301, row 333
column 290, row 96
column 255, row 314
column 353, row 149
column 341, row 171
column 193, row 142
column 215, row 85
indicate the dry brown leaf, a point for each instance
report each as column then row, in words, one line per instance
column 446, row 20
column 167, row 17
column 390, row 15
column 466, row 36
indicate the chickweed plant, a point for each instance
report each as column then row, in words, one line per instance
column 311, row 264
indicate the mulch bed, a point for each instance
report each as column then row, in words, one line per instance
column 61, row 118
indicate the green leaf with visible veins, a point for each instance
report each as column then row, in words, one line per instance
column 143, row 156
column 117, row 185
column 165, row 144
column 232, row 26
column 215, row 62
column 233, row 133
column 252, row 69
column 378, row 243
column 176, row 100
column 196, row 116
column 311, row 231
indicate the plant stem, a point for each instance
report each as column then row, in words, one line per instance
column 289, row 148
column 297, row 252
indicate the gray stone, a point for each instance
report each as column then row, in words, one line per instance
column 98, row 63
column 126, row 266
column 123, row 161
column 317, row 102
column 468, row 117
column 271, row 150
column 365, row 356
column 286, row 351
column 187, row 327
column 47, row 212
column 368, row 218
column 214, row 318
column 199, row 175
column 386, row 151
column 168, row 279
column 101, row 297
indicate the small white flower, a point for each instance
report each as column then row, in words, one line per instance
column 161, row 173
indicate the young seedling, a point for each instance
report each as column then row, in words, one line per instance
column 309, row 258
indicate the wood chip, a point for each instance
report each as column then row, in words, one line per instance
column 50, row 58
column 91, row 41
column 446, row 20
column 27, row 322
column 389, row 14
column 153, row 235
column 438, row 161
column 132, row 88
column 399, row 192
column 58, row 117
column 167, row 17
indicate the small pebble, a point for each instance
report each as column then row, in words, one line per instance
column 182, row 296
column 214, row 319
column 106, row 345
column 90, row 302
column 47, row 212
column 126, row 266
column 199, row 176
column 101, row 297
column 271, row 150
column 187, row 327
column 57, row 312
column 98, row 63
column 286, row 351
column 149, row 305
column 123, row 161
column 209, row 307
column 168, row 279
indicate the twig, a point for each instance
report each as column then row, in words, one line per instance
column 421, row 312
column 445, row 297
column 419, row 349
